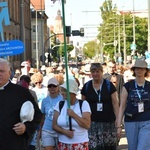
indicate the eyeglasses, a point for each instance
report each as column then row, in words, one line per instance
column 52, row 85
column 138, row 68
column 38, row 83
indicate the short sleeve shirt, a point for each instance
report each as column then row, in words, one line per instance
column 133, row 99
column 107, row 115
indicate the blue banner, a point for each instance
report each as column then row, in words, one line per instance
column 10, row 48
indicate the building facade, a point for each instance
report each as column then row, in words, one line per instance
column 19, row 12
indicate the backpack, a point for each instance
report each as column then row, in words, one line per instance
column 107, row 83
column 61, row 104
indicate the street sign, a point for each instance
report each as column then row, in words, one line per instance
column 10, row 48
column 133, row 46
column 42, row 57
column 148, row 62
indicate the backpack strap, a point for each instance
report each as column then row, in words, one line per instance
column 87, row 85
column 61, row 104
column 80, row 105
column 108, row 85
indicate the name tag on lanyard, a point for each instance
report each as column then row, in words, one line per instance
column 140, row 107
column 140, row 104
column 99, row 106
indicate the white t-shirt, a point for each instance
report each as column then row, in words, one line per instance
column 80, row 134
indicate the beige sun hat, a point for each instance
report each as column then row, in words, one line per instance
column 73, row 86
column 139, row 63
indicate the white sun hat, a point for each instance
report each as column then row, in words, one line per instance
column 27, row 112
column 73, row 86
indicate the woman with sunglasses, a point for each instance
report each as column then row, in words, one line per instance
column 49, row 136
column 41, row 92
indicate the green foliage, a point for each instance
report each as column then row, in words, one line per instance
column 109, row 32
column 89, row 49
column 61, row 50
column 110, row 29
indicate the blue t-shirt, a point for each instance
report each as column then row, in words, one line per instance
column 47, row 109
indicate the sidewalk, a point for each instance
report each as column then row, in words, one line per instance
column 123, row 142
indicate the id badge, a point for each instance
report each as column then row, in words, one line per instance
column 99, row 107
column 140, row 107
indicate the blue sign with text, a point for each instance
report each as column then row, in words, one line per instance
column 10, row 48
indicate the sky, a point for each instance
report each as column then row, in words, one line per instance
column 86, row 13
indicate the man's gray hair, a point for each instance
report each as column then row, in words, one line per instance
column 5, row 61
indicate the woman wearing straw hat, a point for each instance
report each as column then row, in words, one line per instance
column 135, row 104
column 77, row 138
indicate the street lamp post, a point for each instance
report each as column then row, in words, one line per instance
column 133, row 24
column 37, row 43
column 124, row 40
column 148, row 25
column 22, row 33
column 102, row 52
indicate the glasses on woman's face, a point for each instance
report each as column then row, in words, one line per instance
column 138, row 68
column 52, row 86
column 37, row 83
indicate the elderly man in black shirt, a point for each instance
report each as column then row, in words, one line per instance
column 14, row 134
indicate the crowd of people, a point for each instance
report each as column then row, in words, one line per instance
column 85, row 112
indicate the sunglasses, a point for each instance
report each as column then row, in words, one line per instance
column 38, row 83
column 51, row 85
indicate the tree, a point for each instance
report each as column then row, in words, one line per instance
column 113, row 24
column 90, row 49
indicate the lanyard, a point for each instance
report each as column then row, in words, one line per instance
column 138, row 91
column 99, row 93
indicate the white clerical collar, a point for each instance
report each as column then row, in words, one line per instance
column 2, row 87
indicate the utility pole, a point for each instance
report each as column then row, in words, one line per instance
column 42, row 35
column 22, row 33
column 37, row 42
column 124, row 40
column 133, row 25
column 148, row 25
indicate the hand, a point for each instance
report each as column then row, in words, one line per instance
column 69, row 133
column 119, row 133
column 19, row 128
column 70, row 112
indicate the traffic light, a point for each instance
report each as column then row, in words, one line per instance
column 49, row 58
column 68, row 31
column 78, row 32
column 81, row 31
column 75, row 32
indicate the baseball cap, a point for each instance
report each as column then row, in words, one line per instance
column 53, row 81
